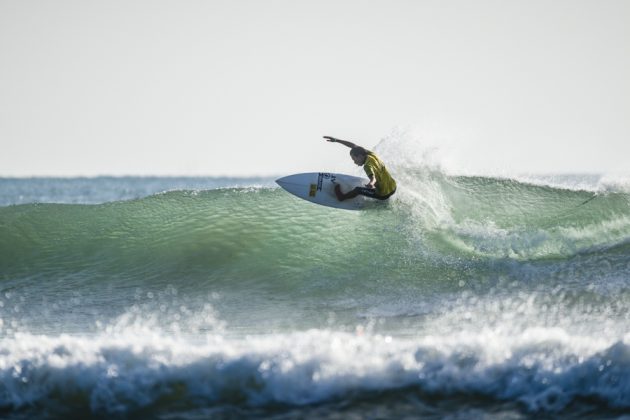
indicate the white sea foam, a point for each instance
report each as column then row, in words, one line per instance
column 118, row 372
column 441, row 150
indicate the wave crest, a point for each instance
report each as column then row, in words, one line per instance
column 542, row 370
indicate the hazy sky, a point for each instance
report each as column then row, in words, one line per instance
column 249, row 87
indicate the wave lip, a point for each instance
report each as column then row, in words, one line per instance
column 540, row 370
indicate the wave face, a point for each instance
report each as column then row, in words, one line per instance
column 461, row 295
column 261, row 234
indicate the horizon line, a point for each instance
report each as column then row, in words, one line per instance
column 495, row 173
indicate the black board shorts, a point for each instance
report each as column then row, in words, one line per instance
column 371, row 192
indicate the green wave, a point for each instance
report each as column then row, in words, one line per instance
column 435, row 229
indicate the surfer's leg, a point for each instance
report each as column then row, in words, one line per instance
column 368, row 192
column 385, row 197
column 341, row 196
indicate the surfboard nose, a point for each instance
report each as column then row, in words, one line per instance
column 289, row 179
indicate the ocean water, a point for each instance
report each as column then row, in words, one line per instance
column 188, row 298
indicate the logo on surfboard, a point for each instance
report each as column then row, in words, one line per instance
column 313, row 188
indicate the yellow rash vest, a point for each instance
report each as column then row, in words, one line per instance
column 373, row 166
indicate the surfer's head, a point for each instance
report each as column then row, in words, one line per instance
column 358, row 155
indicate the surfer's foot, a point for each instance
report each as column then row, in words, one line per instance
column 340, row 196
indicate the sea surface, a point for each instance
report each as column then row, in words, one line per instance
column 503, row 297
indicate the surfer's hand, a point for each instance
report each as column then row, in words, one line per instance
column 330, row 139
column 370, row 185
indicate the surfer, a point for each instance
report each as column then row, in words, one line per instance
column 381, row 185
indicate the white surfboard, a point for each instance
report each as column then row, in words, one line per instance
column 319, row 188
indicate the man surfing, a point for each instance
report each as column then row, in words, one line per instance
column 381, row 185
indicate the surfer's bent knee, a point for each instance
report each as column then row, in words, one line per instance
column 371, row 193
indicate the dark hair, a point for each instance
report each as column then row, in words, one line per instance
column 358, row 150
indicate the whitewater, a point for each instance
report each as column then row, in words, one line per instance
column 465, row 296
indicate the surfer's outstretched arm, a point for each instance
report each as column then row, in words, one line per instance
column 344, row 142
